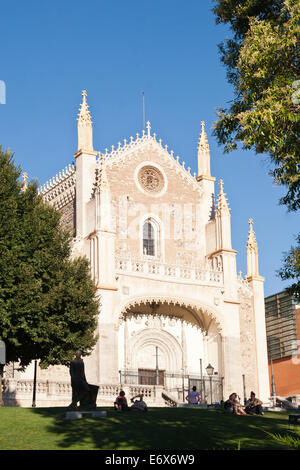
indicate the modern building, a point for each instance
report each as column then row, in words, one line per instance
column 173, row 310
column 283, row 341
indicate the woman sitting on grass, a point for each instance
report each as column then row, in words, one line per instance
column 193, row 397
column 138, row 405
column 233, row 406
column 121, row 402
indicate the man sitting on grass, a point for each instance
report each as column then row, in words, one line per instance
column 254, row 405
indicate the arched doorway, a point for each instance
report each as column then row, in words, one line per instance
column 170, row 344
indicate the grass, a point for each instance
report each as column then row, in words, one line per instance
column 158, row 429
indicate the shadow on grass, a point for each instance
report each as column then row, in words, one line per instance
column 166, row 428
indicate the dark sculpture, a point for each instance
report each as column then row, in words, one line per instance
column 82, row 392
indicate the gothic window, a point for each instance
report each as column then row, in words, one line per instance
column 148, row 239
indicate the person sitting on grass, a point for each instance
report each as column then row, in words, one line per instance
column 193, row 397
column 121, row 402
column 138, row 405
column 254, row 405
column 233, row 406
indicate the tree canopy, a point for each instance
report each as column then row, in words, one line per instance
column 262, row 61
column 291, row 269
column 48, row 306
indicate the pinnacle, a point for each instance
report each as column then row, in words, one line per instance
column 84, row 117
column 25, row 181
column 252, row 244
column 222, row 204
column 203, row 145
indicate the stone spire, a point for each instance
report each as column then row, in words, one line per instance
column 148, row 128
column 203, row 145
column 203, row 153
column 252, row 252
column 222, row 204
column 85, row 128
column 25, row 181
column 84, row 117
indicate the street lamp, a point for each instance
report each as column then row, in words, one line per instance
column 210, row 371
column 273, row 386
column 2, row 364
column 201, row 382
column 34, row 385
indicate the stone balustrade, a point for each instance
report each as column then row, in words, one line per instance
column 19, row 392
column 157, row 269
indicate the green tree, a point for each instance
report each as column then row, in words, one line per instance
column 48, row 304
column 262, row 60
column 291, row 269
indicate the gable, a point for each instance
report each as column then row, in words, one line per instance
column 145, row 180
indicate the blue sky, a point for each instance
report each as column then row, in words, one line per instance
column 52, row 50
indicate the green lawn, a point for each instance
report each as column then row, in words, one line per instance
column 158, row 429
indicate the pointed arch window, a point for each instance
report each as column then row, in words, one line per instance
column 149, row 238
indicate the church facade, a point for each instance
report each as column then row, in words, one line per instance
column 159, row 244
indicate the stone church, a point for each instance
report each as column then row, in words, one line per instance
column 173, row 310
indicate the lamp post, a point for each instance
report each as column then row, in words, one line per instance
column 156, row 368
column 210, row 371
column 244, row 388
column 2, row 364
column 201, row 381
column 273, row 386
column 34, row 386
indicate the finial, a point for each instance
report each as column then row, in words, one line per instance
column 84, row 117
column 252, row 252
column 148, row 127
column 25, row 179
column 203, row 143
column 84, row 126
column 221, row 184
column 251, row 239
